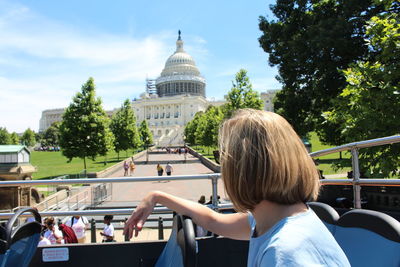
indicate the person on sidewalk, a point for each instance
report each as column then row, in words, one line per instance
column 126, row 168
column 168, row 169
column 132, row 167
column 108, row 232
column 79, row 224
column 160, row 170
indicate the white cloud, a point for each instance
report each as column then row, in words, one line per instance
column 43, row 63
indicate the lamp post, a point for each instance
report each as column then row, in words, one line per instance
column 147, row 148
column 184, row 146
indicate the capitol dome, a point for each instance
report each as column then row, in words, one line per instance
column 180, row 75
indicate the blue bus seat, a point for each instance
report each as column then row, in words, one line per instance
column 20, row 243
column 369, row 238
column 326, row 213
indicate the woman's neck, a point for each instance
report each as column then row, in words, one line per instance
column 267, row 214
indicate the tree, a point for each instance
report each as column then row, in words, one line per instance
column 190, row 128
column 28, row 138
column 123, row 126
column 84, row 130
column 309, row 42
column 369, row 105
column 208, row 126
column 14, row 138
column 5, row 138
column 145, row 134
column 242, row 95
column 51, row 136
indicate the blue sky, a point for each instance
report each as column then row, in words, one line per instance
column 48, row 49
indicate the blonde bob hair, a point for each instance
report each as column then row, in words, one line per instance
column 262, row 158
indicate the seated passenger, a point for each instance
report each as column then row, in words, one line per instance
column 269, row 177
column 52, row 233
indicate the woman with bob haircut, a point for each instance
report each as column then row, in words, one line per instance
column 269, row 177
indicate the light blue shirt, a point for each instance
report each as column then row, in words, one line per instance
column 300, row 240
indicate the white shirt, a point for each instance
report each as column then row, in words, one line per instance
column 168, row 168
column 78, row 225
column 50, row 235
column 44, row 242
column 108, row 230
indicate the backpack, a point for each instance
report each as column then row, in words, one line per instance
column 68, row 233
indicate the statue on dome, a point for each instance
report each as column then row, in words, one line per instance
column 179, row 34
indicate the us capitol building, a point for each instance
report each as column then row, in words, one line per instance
column 170, row 101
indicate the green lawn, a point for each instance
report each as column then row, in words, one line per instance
column 325, row 162
column 52, row 164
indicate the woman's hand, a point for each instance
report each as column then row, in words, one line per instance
column 140, row 215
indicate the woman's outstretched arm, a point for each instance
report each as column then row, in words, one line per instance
column 234, row 225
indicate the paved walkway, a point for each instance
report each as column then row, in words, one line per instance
column 128, row 194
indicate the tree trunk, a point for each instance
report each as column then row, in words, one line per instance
column 84, row 164
column 340, row 154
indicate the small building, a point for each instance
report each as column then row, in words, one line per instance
column 15, row 165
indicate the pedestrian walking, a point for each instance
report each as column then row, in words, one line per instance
column 79, row 225
column 168, row 169
column 132, row 167
column 160, row 170
column 126, row 168
column 108, row 232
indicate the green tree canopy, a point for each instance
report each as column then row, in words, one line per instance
column 14, row 138
column 51, row 136
column 242, row 95
column 310, row 42
column 123, row 126
column 145, row 134
column 369, row 106
column 84, row 130
column 190, row 128
column 28, row 138
column 208, row 126
column 5, row 138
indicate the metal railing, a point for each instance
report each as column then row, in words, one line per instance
column 357, row 182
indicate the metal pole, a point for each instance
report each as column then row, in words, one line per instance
column 356, row 178
column 93, row 230
column 214, row 180
column 126, row 237
column 160, row 229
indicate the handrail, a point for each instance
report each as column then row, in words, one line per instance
column 157, row 210
column 109, row 180
column 361, row 144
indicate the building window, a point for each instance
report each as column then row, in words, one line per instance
column 156, row 116
column 148, row 116
column 159, row 132
column 162, row 115
column 176, row 115
column 166, row 132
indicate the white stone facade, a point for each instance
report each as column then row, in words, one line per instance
column 267, row 98
column 167, row 116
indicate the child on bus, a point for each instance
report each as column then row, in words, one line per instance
column 269, row 177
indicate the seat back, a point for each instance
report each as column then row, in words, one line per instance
column 369, row 238
column 21, row 242
column 180, row 249
column 326, row 214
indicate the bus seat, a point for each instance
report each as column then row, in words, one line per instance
column 326, row 213
column 369, row 238
column 20, row 243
